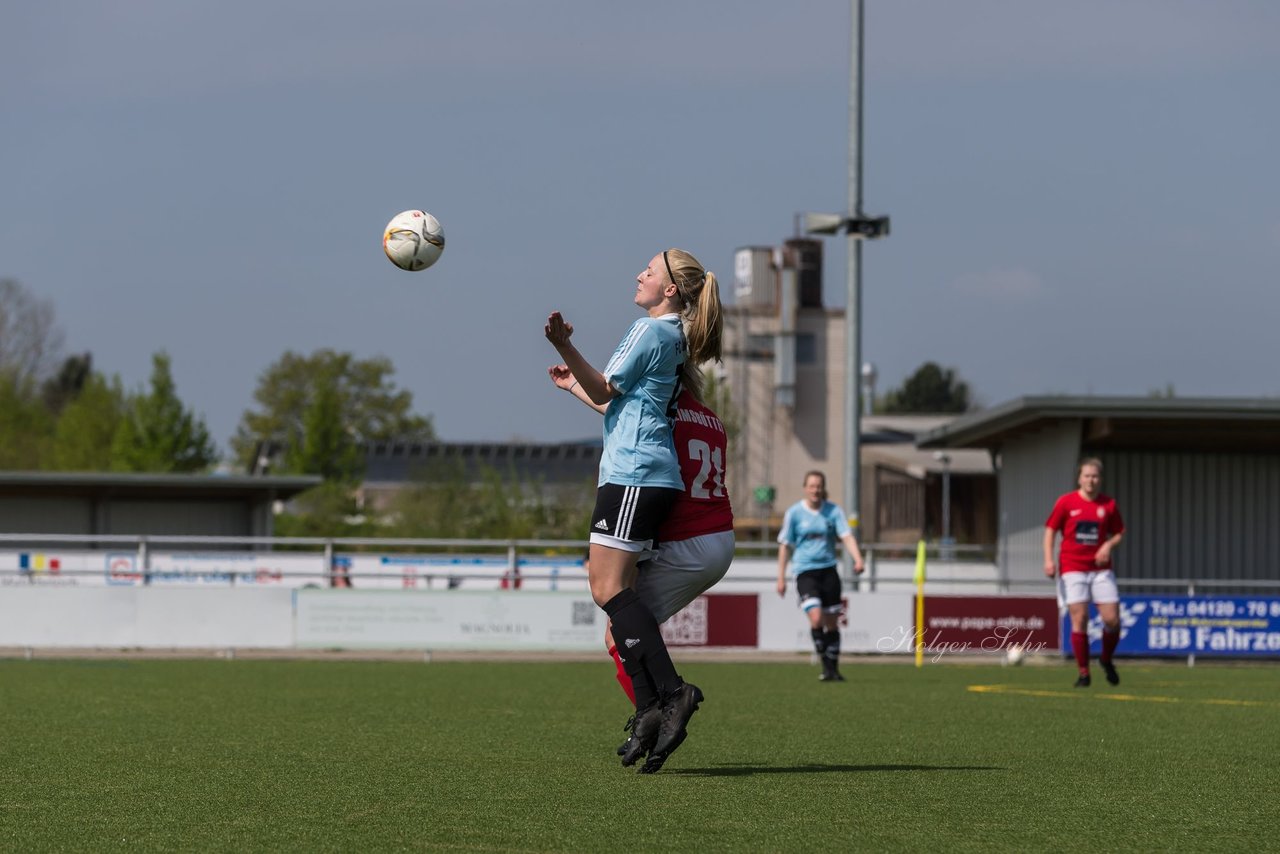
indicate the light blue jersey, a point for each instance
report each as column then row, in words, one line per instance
column 638, row 449
column 813, row 535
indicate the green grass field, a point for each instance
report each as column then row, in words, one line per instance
column 477, row 756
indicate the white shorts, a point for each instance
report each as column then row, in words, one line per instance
column 1098, row 587
column 681, row 571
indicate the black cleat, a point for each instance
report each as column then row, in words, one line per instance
column 676, row 713
column 627, row 727
column 1084, row 681
column 644, row 733
column 1112, row 677
column 654, row 763
column 831, row 676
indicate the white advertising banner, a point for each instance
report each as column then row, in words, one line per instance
column 454, row 619
column 217, row 569
column 88, row 568
column 872, row 622
column 128, row 617
column 453, row 572
column 53, row 568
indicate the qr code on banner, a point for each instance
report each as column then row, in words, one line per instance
column 689, row 627
column 584, row 613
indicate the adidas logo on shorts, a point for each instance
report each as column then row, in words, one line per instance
column 602, row 525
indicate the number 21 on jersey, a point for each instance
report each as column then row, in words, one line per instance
column 710, row 480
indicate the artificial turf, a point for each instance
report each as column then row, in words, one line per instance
column 481, row 756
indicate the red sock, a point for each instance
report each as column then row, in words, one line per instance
column 1080, row 648
column 623, row 679
column 1109, row 640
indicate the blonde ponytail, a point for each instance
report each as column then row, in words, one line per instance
column 700, row 297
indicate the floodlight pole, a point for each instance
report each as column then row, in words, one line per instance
column 857, row 227
column 853, row 281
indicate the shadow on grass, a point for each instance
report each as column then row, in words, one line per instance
column 747, row 770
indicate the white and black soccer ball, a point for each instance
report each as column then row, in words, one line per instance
column 413, row 240
column 1014, row 654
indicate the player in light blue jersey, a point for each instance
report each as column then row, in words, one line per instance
column 640, row 475
column 638, row 448
column 810, row 530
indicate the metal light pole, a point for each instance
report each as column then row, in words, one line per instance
column 858, row 227
column 946, row 552
column 945, row 459
column 853, row 280
column 868, row 387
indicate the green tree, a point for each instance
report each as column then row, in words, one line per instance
column 87, row 425
column 61, row 388
column 328, row 510
column 25, row 424
column 324, row 446
column 367, row 403
column 930, row 389
column 495, row 504
column 158, row 433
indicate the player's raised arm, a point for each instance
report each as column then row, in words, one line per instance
column 558, row 331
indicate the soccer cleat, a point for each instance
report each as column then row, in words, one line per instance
column 1112, row 677
column 831, row 676
column 627, row 727
column 1084, row 681
column 644, row 728
column 654, row 763
column 676, row 713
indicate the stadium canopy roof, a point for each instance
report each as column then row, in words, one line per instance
column 1166, row 423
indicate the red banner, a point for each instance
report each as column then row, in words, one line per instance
column 715, row 619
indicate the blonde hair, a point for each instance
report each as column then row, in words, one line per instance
column 700, row 300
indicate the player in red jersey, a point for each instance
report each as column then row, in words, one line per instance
column 1091, row 528
column 695, row 544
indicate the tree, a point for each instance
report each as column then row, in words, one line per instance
column 61, row 388
column 328, row 510
column 86, row 427
column 158, row 434
column 25, row 425
column 30, row 340
column 367, row 405
column 444, row 502
column 930, row 389
column 324, row 446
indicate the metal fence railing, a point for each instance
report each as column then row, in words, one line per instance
column 325, row 561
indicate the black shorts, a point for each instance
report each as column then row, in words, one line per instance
column 628, row 517
column 819, row 588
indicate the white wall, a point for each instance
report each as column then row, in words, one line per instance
column 266, row 618
column 119, row 617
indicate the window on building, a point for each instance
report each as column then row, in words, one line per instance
column 806, row 348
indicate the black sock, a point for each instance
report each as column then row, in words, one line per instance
column 640, row 644
column 819, row 641
column 831, row 648
column 642, row 685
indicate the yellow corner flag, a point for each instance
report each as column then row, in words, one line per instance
column 920, row 548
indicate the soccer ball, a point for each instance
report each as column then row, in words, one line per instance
column 413, row 240
column 1014, row 654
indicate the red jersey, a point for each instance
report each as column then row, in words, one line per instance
column 1085, row 525
column 703, row 507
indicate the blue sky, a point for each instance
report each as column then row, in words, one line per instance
column 1084, row 195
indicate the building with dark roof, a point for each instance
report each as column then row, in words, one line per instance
column 151, row 504
column 1197, row 480
column 558, row 469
